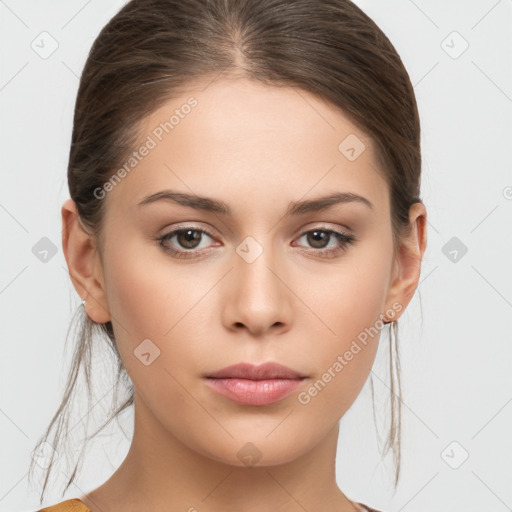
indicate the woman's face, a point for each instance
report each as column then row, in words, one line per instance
column 267, row 281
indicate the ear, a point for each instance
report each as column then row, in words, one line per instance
column 408, row 259
column 84, row 265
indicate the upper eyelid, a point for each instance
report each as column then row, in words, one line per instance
column 299, row 232
column 190, row 227
column 324, row 227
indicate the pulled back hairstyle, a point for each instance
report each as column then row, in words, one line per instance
column 152, row 50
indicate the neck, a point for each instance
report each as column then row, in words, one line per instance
column 160, row 471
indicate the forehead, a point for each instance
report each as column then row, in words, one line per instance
column 242, row 139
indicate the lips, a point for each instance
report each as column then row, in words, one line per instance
column 264, row 371
column 255, row 385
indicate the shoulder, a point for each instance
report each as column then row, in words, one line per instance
column 72, row 505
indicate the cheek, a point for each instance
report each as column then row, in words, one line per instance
column 348, row 304
column 135, row 296
column 153, row 298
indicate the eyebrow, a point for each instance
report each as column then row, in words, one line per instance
column 216, row 206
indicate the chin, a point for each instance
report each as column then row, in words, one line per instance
column 257, row 451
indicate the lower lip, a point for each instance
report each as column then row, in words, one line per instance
column 254, row 392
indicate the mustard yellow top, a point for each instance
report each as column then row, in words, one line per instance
column 73, row 505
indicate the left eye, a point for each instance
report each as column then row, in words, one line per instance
column 317, row 237
column 189, row 239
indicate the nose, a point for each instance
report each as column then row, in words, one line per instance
column 257, row 295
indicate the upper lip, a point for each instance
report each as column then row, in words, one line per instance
column 262, row 372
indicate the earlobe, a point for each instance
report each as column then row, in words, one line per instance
column 408, row 259
column 84, row 265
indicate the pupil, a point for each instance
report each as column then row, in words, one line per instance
column 189, row 236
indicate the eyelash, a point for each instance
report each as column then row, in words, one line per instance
column 344, row 238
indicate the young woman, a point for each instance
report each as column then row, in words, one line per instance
column 245, row 217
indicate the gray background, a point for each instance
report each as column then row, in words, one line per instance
column 457, row 392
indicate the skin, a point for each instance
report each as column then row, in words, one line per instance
column 257, row 148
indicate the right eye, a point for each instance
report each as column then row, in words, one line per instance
column 187, row 239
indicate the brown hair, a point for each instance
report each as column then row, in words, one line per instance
column 152, row 49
